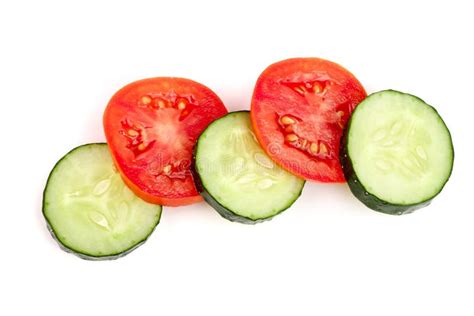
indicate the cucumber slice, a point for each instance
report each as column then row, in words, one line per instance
column 90, row 211
column 397, row 152
column 236, row 177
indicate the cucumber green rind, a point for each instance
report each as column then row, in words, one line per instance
column 221, row 209
column 70, row 249
column 358, row 189
column 370, row 200
column 85, row 256
column 224, row 211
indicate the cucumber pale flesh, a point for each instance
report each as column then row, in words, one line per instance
column 90, row 211
column 396, row 153
column 236, row 177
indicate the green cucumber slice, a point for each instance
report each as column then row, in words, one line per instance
column 90, row 211
column 236, row 177
column 397, row 153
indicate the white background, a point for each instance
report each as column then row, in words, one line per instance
column 327, row 255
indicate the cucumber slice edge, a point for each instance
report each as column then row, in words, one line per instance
column 71, row 249
column 223, row 210
column 357, row 188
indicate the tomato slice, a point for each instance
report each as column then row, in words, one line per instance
column 151, row 126
column 299, row 109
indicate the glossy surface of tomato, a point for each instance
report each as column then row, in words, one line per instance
column 299, row 109
column 151, row 126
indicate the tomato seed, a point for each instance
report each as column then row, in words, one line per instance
column 167, row 169
column 323, row 149
column 291, row 137
column 132, row 132
column 146, row 100
column 300, row 90
column 181, row 105
column 286, row 120
column 313, row 148
column 161, row 104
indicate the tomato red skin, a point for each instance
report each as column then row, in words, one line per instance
column 268, row 94
column 168, row 192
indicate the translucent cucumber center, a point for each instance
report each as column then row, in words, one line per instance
column 104, row 202
column 400, row 148
column 89, row 207
column 237, row 173
column 245, row 164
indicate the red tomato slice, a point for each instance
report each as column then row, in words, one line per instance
column 151, row 126
column 299, row 109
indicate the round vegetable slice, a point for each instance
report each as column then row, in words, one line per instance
column 299, row 109
column 236, row 177
column 151, row 126
column 89, row 209
column 397, row 152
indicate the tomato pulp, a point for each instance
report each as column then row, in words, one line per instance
column 299, row 109
column 151, row 126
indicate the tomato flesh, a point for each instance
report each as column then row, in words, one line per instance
column 299, row 109
column 151, row 126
